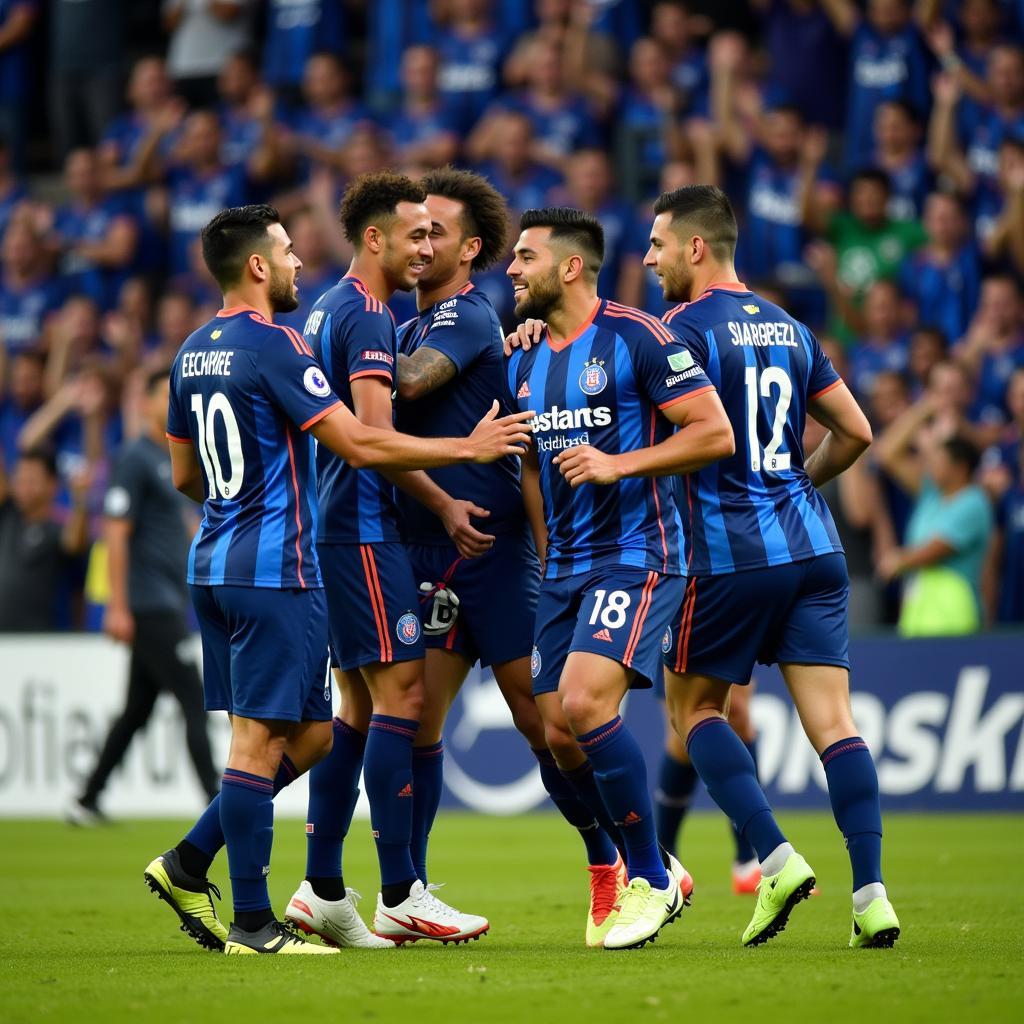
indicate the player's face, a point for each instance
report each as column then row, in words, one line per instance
column 668, row 261
column 446, row 241
column 535, row 275
column 407, row 251
column 284, row 268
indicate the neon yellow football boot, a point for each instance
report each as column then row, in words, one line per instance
column 777, row 895
column 877, row 928
column 190, row 898
column 607, row 882
column 273, row 937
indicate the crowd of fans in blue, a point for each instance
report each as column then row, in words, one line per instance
column 874, row 153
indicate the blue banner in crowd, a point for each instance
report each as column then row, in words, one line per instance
column 944, row 719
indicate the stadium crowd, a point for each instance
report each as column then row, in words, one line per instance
column 875, row 153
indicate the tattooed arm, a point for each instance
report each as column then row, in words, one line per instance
column 423, row 372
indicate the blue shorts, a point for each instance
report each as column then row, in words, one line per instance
column 372, row 603
column 618, row 612
column 497, row 594
column 264, row 652
column 795, row 613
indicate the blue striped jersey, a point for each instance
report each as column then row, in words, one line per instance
column 757, row 507
column 243, row 393
column 465, row 328
column 605, row 387
column 353, row 335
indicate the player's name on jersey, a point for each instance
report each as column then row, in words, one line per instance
column 213, row 363
column 761, row 333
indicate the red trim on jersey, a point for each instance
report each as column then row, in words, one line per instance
column 320, row 415
column 179, row 440
column 566, row 342
column 657, row 506
column 373, row 304
column 685, row 398
column 242, row 308
column 298, row 518
column 669, row 315
column 381, row 632
column 287, row 333
column 727, row 286
column 825, row 391
column 685, row 626
column 377, row 598
column 640, row 616
column 298, row 338
column 386, row 374
column 658, row 329
column 467, row 287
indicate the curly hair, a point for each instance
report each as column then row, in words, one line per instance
column 375, row 197
column 484, row 210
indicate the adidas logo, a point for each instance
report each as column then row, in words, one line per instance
column 524, row 390
column 631, row 819
column 406, row 790
column 603, row 634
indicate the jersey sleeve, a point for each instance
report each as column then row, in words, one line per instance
column 127, row 483
column 666, row 368
column 459, row 329
column 821, row 374
column 364, row 346
column 294, row 380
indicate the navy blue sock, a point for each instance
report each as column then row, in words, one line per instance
column 333, row 792
column 726, row 767
column 853, row 791
column 583, row 782
column 247, row 818
column 427, row 784
column 621, row 777
column 676, row 783
column 387, row 773
column 744, row 851
column 206, row 838
column 600, row 848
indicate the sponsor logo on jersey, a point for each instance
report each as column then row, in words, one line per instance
column 449, row 304
column 524, row 390
column 313, row 322
column 678, row 378
column 535, row 663
column 376, row 354
column 680, row 361
column 315, row 382
column 603, row 634
column 593, row 379
column 666, row 641
column 571, row 419
column 408, row 628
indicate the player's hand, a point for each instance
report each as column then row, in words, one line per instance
column 586, row 465
column 890, row 565
column 469, row 541
column 119, row 624
column 525, row 336
column 493, row 438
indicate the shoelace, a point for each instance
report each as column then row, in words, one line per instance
column 354, row 897
column 634, row 903
column 604, row 890
column 210, row 887
column 432, row 903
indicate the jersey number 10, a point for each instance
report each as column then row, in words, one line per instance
column 771, row 460
column 220, row 486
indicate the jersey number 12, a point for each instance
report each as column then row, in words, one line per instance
column 771, row 460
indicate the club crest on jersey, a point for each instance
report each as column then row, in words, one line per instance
column 751, row 308
column 593, row 379
column 216, row 334
column 408, row 628
column 315, row 382
column 535, row 663
column 666, row 641
column 524, row 390
column 680, row 361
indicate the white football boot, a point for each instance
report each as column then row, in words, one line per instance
column 337, row 922
column 421, row 915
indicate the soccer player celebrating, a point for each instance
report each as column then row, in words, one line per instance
column 372, row 595
column 613, row 385
column 245, row 396
column 449, row 368
column 767, row 574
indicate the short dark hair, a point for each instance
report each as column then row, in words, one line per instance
column 574, row 228
column 874, row 175
column 156, row 376
column 232, row 237
column 375, row 196
column 708, row 209
column 962, row 451
column 934, row 332
column 484, row 210
column 44, row 456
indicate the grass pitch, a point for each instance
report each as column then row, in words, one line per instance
column 85, row 940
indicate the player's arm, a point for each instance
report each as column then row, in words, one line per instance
column 533, row 502
column 186, row 474
column 848, row 437
column 371, row 397
column 423, row 372
column 704, row 436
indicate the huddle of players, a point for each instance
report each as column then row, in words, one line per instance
column 637, row 426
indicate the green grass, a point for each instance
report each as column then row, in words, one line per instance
column 85, row 940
